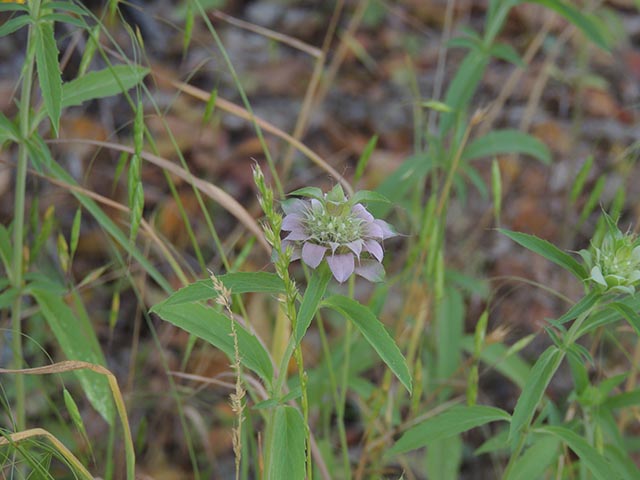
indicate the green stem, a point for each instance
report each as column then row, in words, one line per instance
column 305, row 408
column 343, row 393
column 18, row 228
column 334, row 391
column 514, row 456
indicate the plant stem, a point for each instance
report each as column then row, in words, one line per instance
column 18, row 229
column 334, row 390
column 343, row 393
column 514, row 456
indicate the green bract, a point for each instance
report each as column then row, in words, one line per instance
column 614, row 264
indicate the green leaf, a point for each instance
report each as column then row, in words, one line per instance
column 214, row 327
column 437, row 106
column 13, row 7
column 364, row 158
column 241, row 282
column 628, row 313
column 535, row 460
column 623, row 400
column 287, row 454
column 368, row 196
column 75, row 232
column 63, row 18
column 74, row 413
column 580, row 179
column 444, row 457
column 312, row 192
column 585, row 304
column 6, row 250
column 539, row 378
column 449, row 330
column 375, row 333
column 589, row 456
column 101, row 84
column 8, row 296
column 8, row 130
column 49, row 75
column 78, row 342
column 548, row 251
column 624, row 466
column 579, row 19
column 14, row 24
column 606, row 316
column 452, row 422
column 68, row 7
column 507, row 141
column 311, row 299
column 463, row 86
column 506, row 52
column 107, row 224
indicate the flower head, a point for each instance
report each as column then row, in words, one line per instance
column 341, row 230
column 614, row 263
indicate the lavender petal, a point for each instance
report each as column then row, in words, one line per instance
column 312, row 254
column 371, row 270
column 292, row 222
column 356, row 247
column 387, row 230
column 359, row 211
column 374, row 249
column 373, row 230
column 342, row 266
column 294, row 205
column 297, row 236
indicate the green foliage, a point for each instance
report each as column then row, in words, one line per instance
column 454, row 421
column 214, row 327
column 430, row 353
column 287, row 458
column 78, row 341
column 375, row 333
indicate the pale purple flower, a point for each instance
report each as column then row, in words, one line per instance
column 334, row 228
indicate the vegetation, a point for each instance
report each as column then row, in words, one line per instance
column 372, row 356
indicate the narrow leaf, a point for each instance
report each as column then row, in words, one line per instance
column 579, row 19
column 536, row 459
column 49, row 75
column 313, row 192
column 628, row 313
column 287, row 454
column 589, row 456
column 507, row 141
column 375, row 333
column 364, row 158
column 214, row 327
column 14, row 24
column 311, row 299
column 77, row 343
column 241, row 282
column 585, row 304
column 581, row 178
column 452, row 422
column 101, row 84
column 75, row 232
column 539, row 378
column 548, row 251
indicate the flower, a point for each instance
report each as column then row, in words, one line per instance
column 614, row 264
column 337, row 229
